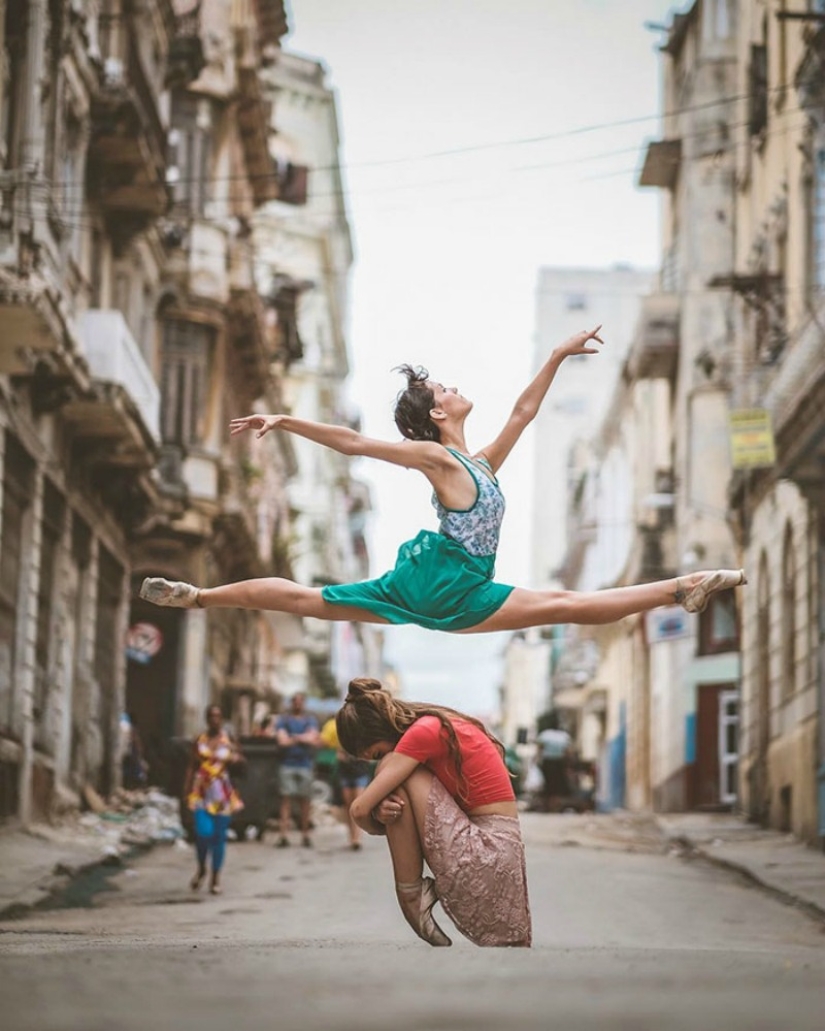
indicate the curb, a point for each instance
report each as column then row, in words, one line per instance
column 789, row 898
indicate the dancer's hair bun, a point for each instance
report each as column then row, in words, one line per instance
column 361, row 686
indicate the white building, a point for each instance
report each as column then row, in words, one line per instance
column 304, row 258
column 567, row 301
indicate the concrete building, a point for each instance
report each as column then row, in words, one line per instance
column 668, row 682
column 134, row 329
column 778, row 276
column 83, row 187
column 567, row 301
column 305, row 251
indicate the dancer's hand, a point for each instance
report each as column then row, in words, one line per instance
column 389, row 809
column 262, row 423
column 578, row 344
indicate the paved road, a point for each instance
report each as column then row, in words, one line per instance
column 626, row 936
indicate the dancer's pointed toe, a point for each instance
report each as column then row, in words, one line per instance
column 171, row 594
column 695, row 599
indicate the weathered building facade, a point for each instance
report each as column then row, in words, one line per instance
column 135, row 145
column 779, row 279
column 726, row 709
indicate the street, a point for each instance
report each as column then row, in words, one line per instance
column 628, row 934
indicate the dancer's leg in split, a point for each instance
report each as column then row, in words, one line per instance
column 526, row 608
column 271, row 593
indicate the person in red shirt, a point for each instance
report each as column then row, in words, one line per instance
column 443, row 795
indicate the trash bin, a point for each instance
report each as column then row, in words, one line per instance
column 256, row 781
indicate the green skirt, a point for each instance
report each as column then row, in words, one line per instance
column 435, row 584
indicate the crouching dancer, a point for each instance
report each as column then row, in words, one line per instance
column 443, row 795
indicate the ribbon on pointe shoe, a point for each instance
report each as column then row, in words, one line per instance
column 417, row 899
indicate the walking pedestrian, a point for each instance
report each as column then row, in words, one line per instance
column 351, row 777
column 211, row 797
column 296, row 732
column 444, row 580
column 443, row 795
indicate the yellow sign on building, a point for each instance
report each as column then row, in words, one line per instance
column 751, row 439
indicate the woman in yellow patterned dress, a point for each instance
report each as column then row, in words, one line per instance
column 210, row 795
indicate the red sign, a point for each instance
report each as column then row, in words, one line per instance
column 143, row 642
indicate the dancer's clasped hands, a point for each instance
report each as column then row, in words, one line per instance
column 389, row 809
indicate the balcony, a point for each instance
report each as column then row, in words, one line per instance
column 661, row 164
column 655, row 351
column 253, row 112
column 199, row 266
column 272, row 21
column 810, row 76
column 36, row 327
column 127, row 149
column 247, row 321
column 186, row 57
column 118, row 421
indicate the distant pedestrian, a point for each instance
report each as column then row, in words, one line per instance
column 351, row 777
column 296, row 732
column 443, row 795
column 211, row 797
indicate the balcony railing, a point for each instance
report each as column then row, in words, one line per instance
column 115, row 361
column 127, row 150
column 655, row 351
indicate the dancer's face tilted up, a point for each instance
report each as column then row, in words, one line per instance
column 449, row 401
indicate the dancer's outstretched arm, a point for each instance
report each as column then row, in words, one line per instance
column 527, row 406
column 412, row 454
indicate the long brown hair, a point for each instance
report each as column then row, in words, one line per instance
column 370, row 714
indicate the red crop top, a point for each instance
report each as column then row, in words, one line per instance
column 485, row 777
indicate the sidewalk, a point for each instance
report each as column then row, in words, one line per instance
column 777, row 862
column 37, row 861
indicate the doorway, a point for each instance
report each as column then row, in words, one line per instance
column 717, row 746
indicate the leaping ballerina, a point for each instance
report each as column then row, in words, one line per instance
column 443, row 579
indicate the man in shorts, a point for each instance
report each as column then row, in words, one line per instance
column 297, row 735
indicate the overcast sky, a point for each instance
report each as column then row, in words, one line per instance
column 482, row 139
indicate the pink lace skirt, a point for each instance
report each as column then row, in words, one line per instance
column 479, row 870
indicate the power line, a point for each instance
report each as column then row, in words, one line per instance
column 80, row 217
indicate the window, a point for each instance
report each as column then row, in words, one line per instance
column 189, row 153
column 11, row 106
column 18, row 483
column 107, row 644
column 788, row 615
column 54, row 508
column 818, row 218
column 575, row 302
column 718, row 629
column 187, row 348
column 758, row 91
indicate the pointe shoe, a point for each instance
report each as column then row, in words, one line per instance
column 417, row 900
column 172, row 594
column 696, row 598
